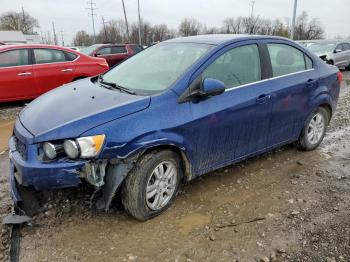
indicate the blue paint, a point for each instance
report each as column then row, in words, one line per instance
column 212, row 132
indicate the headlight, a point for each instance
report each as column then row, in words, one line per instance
column 84, row 147
column 50, row 150
column 71, row 148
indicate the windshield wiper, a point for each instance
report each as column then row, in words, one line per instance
column 115, row 86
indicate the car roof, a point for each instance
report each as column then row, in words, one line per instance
column 217, row 39
column 10, row 47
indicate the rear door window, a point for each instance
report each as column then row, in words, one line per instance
column 105, row 51
column 236, row 67
column 14, row 58
column 118, row 50
column 346, row 47
column 286, row 59
column 46, row 56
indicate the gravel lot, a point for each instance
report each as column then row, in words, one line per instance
column 286, row 205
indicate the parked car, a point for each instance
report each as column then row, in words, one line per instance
column 28, row 71
column 169, row 114
column 333, row 52
column 113, row 53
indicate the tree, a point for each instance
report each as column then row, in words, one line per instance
column 82, row 39
column 19, row 21
column 190, row 27
column 306, row 29
column 114, row 31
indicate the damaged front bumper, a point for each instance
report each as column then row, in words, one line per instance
column 105, row 175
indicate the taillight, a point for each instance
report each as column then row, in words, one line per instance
column 103, row 64
column 340, row 77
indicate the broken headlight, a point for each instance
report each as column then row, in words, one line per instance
column 84, row 147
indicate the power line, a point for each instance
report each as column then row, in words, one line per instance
column 92, row 9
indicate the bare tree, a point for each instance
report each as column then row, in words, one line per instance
column 114, row 31
column 190, row 27
column 306, row 29
column 82, row 39
column 19, row 21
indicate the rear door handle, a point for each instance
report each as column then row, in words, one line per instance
column 67, row 70
column 24, row 74
column 311, row 83
column 262, row 99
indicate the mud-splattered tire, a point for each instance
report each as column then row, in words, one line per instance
column 314, row 130
column 151, row 186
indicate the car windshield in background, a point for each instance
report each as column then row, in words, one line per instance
column 321, row 48
column 88, row 50
column 156, row 68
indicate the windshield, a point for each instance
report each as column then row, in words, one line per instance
column 156, row 68
column 88, row 50
column 321, row 48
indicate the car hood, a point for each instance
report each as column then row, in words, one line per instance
column 72, row 109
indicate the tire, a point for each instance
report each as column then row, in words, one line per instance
column 145, row 176
column 347, row 68
column 309, row 139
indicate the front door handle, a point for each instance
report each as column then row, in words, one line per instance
column 67, row 70
column 24, row 74
column 262, row 99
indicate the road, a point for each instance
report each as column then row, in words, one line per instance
column 285, row 205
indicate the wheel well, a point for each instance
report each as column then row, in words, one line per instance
column 186, row 166
column 331, row 62
column 329, row 110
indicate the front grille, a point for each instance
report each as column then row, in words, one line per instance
column 21, row 148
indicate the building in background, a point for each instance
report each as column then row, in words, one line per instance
column 17, row 37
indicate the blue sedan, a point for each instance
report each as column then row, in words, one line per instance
column 173, row 112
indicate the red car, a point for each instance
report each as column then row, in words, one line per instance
column 113, row 53
column 27, row 71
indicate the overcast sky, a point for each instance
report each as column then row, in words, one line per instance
column 72, row 16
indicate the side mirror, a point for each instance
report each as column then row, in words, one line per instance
column 202, row 88
column 212, row 87
column 337, row 51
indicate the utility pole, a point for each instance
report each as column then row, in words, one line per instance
column 294, row 18
column 252, row 11
column 54, row 33
column 62, row 39
column 126, row 22
column 92, row 9
column 138, row 6
column 23, row 21
column 104, row 28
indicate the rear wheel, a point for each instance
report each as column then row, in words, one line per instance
column 314, row 130
column 151, row 186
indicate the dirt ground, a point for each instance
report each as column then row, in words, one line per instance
column 285, row 205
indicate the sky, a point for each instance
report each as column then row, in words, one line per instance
column 71, row 16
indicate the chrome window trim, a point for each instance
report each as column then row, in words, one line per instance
column 268, row 79
column 78, row 56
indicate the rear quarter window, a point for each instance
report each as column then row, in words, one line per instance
column 70, row 56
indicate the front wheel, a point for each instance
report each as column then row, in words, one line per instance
column 151, row 186
column 314, row 130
